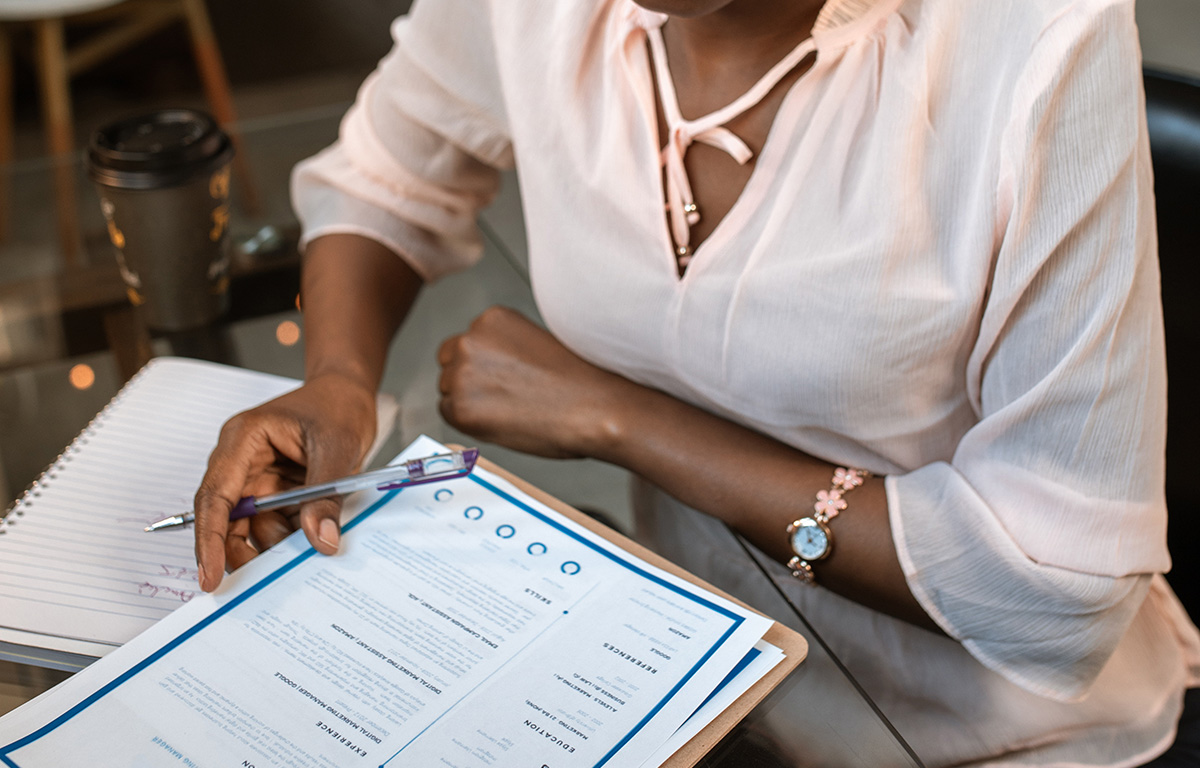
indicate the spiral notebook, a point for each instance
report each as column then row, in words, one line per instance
column 78, row 575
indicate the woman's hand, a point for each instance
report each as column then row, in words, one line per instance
column 510, row 382
column 317, row 433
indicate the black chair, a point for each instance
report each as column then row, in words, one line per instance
column 1173, row 112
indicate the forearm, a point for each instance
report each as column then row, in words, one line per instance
column 757, row 485
column 510, row 382
column 355, row 292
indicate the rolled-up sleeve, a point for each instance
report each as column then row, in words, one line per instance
column 419, row 152
column 1035, row 544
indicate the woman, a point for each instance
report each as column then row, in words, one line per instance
column 905, row 273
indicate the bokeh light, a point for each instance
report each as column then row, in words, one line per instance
column 287, row 333
column 82, row 376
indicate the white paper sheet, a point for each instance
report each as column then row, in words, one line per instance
column 462, row 624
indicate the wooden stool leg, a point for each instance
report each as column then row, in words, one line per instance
column 216, row 89
column 60, row 134
column 6, row 126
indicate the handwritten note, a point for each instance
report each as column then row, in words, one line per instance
column 74, row 561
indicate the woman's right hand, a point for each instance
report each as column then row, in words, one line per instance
column 314, row 434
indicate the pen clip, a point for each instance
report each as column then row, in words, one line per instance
column 420, row 469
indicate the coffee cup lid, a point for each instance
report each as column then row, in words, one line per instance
column 159, row 149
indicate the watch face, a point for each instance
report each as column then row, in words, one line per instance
column 810, row 539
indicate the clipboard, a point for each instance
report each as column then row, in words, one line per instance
column 794, row 646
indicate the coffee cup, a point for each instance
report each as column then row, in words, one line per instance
column 163, row 180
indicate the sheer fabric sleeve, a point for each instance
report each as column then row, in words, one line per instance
column 419, row 152
column 1034, row 546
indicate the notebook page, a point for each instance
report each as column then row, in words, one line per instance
column 75, row 563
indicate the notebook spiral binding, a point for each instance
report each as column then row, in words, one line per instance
column 28, row 498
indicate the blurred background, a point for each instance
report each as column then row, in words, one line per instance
column 1171, row 35
column 280, row 56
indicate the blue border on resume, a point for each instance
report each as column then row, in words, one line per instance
column 275, row 575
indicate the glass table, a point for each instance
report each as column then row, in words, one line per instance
column 69, row 340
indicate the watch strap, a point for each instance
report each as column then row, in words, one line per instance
column 803, row 570
column 829, row 504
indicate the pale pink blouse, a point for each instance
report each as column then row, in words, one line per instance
column 943, row 269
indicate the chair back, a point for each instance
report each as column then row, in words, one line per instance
column 1173, row 114
column 29, row 10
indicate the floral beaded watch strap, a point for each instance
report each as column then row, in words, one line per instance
column 810, row 537
column 832, row 502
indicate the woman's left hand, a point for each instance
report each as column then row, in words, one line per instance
column 510, row 382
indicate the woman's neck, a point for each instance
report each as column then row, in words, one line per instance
column 746, row 36
column 718, row 49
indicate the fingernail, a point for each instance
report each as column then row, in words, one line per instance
column 328, row 533
column 203, row 578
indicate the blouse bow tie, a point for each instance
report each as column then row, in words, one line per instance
column 709, row 129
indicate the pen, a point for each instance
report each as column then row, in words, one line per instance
column 441, row 466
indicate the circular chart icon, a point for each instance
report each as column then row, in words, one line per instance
column 570, row 568
column 473, row 513
column 506, row 531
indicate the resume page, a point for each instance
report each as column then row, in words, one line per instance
column 462, row 624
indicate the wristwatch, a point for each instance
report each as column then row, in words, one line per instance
column 812, row 541
column 810, row 537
